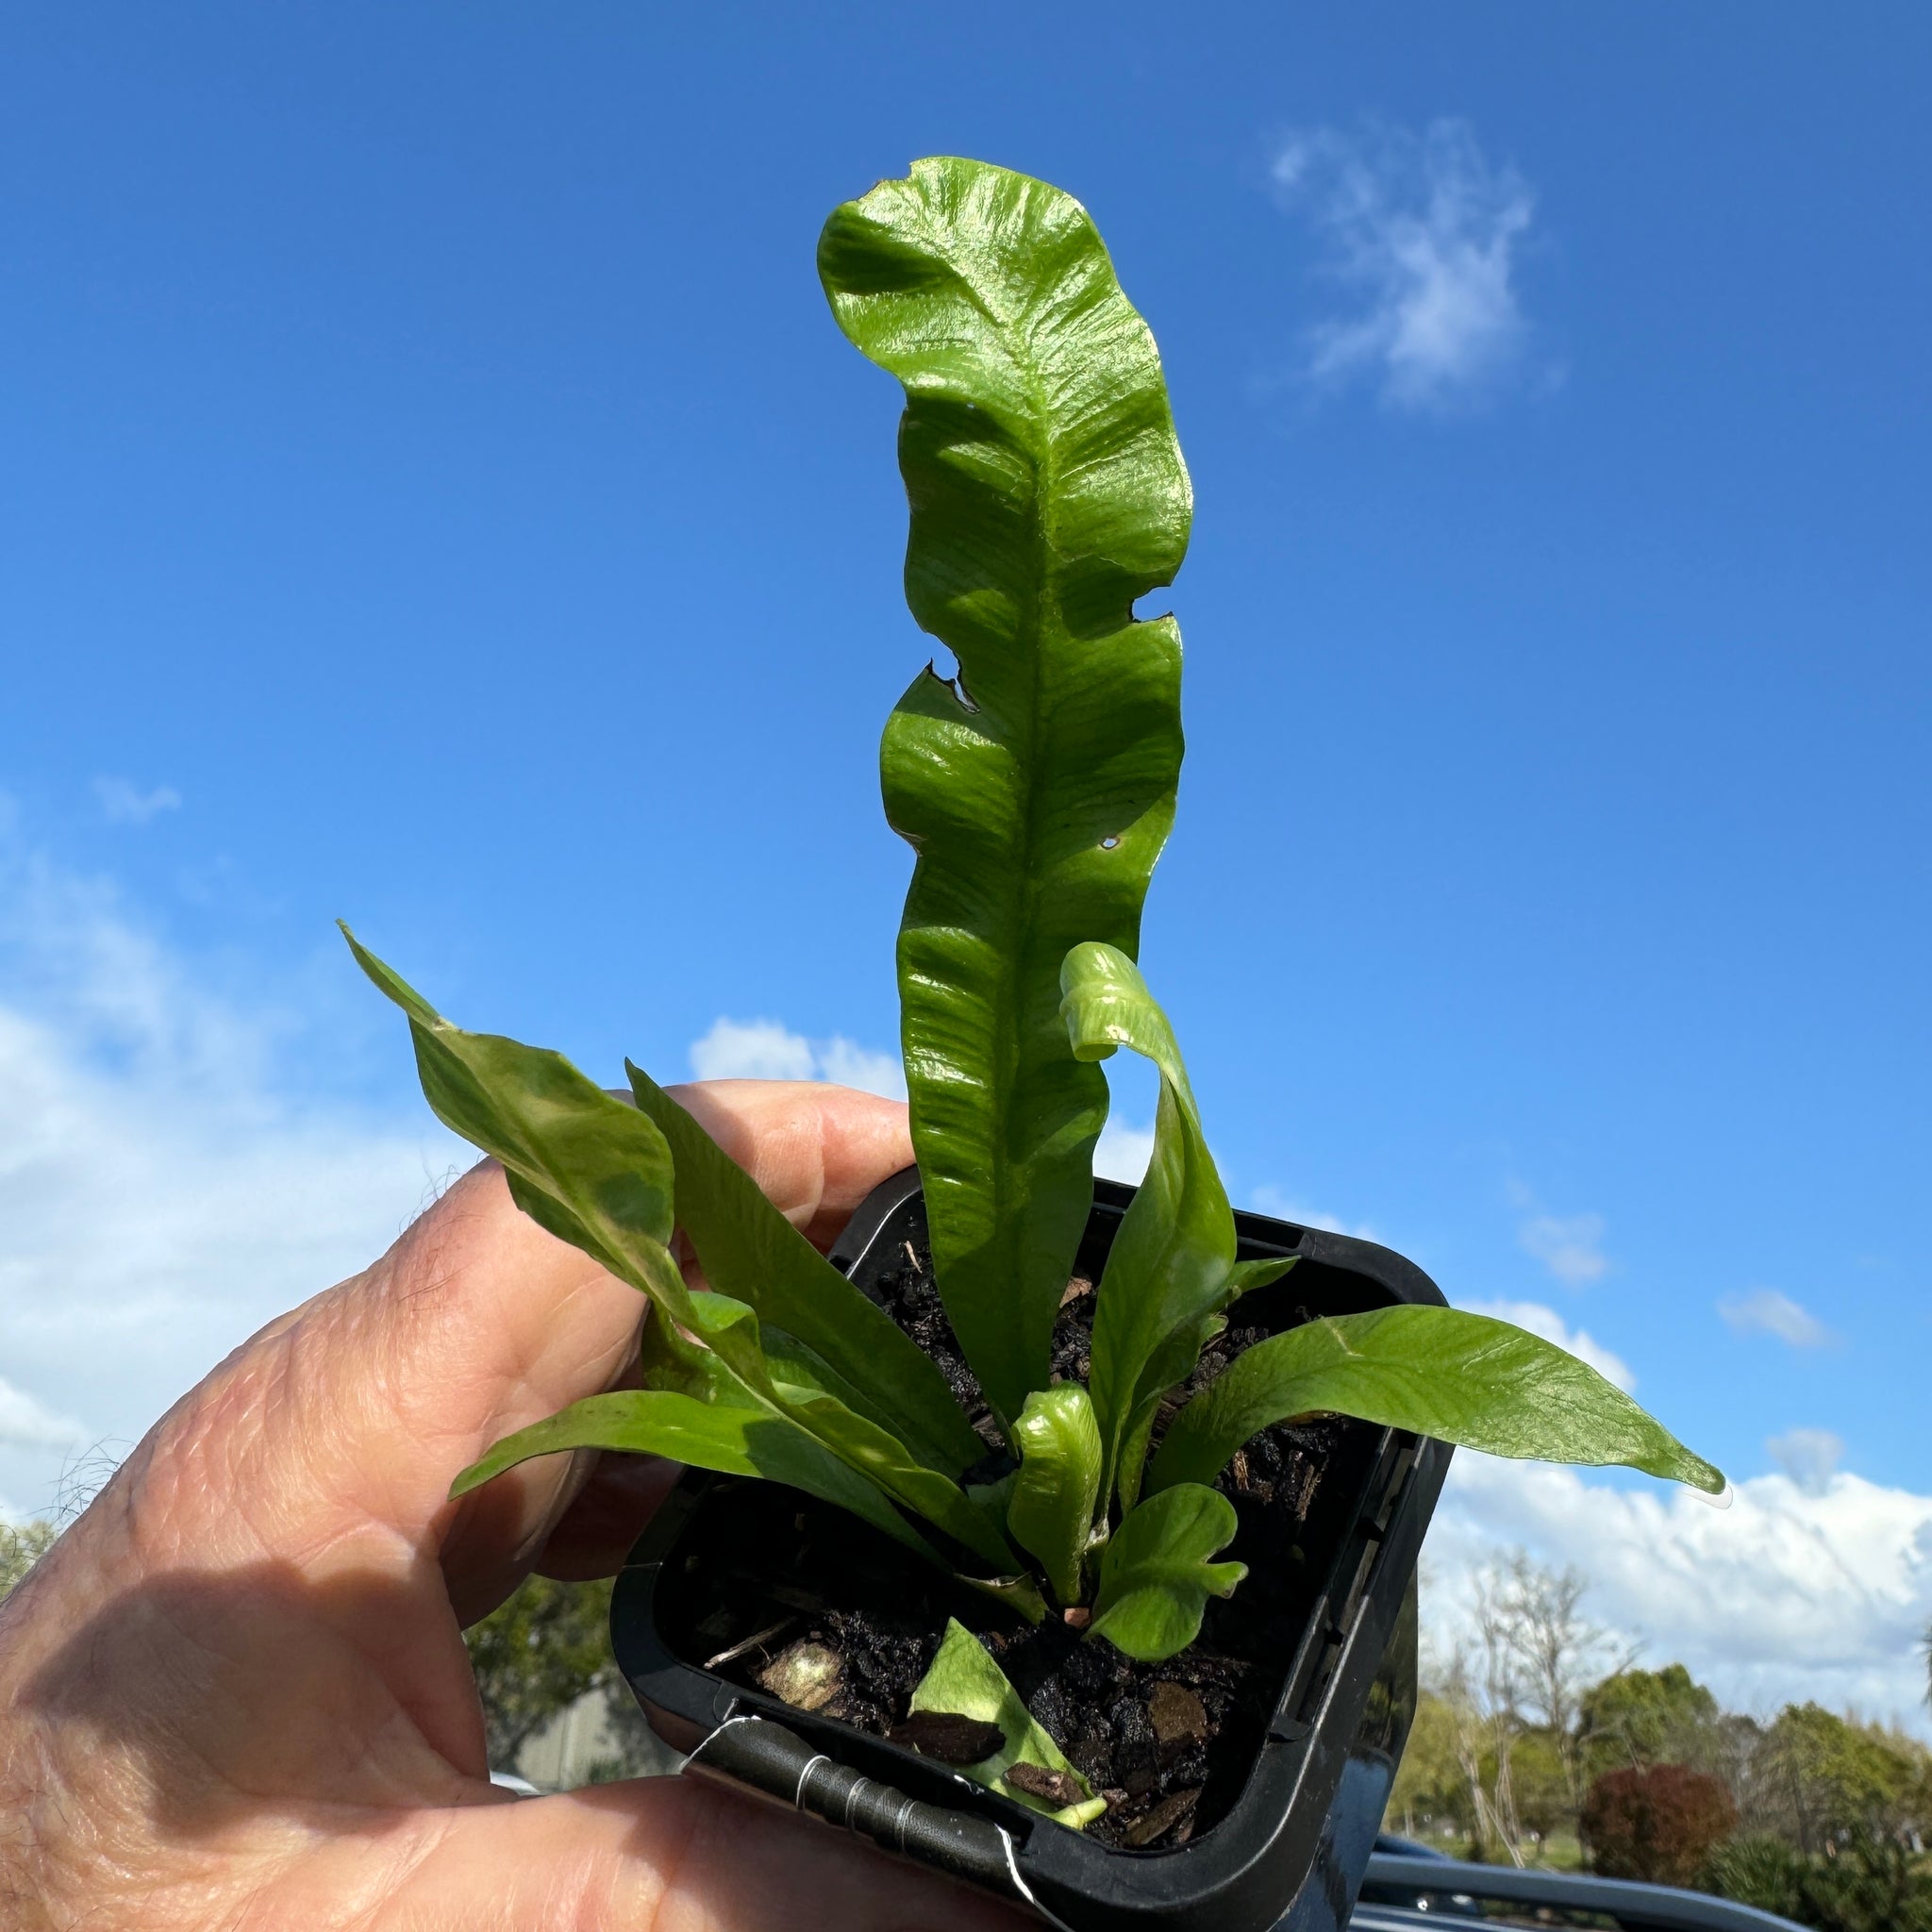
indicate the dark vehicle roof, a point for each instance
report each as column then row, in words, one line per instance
column 1405, row 1892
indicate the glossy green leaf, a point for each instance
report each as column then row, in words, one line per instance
column 878, row 1454
column 599, row 1174
column 671, row 1363
column 750, row 1250
column 1464, row 1378
column 1050, row 1510
column 1154, row 1575
column 725, row 1429
column 1171, row 1268
column 1249, row 1276
column 965, row 1681
column 1048, row 494
column 583, row 1165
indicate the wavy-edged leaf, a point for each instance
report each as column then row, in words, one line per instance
column 1463, row 1378
column 725, row 1429
column 1155, row 1575
column 1171, row 1268
column 1048, row 494
column 750, row 1250
column 965, row 1681
column 1056, row 1487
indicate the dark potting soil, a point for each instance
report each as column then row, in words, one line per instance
column 814, row 1608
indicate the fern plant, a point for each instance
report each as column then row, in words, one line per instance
column 1037, row 787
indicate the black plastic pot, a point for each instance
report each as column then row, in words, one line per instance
column 1294, row 1848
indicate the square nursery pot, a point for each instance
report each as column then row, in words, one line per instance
column 1314, row 1715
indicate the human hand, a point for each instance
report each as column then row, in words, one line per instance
column 235, row 1692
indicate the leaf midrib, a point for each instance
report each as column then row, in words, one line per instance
column 1014, row 337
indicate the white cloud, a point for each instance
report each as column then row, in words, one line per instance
column 769, row 1050
column 25, row 1424
column 850, row 1065
column 122, row 804
column 1123, row 1152
column 1268, row 1199
column 1421, row 231
column 752, row 1050
column 161, row 1196
column 1569, row 1247
column 1765, row 1311
column 1810, row 1457
column 1546, row 1322
column 1793, row 1592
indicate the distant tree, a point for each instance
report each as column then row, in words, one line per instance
column 535, row 1655
column 1428, row 1791
column 1514, row 1689
column 1557, row 1651
column 1658, row 1823
column 1639, row 1718
column 23, row 1545
column 1481, row 1689
column 1871, row 1884
column 1826, row 1778
column 1541, row 1785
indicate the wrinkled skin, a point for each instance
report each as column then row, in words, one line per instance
column 235, row 1694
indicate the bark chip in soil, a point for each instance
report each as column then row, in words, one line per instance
column 1055, row 1786
column 1178, row 1717
column 951, row 1739
column 1176, row 1810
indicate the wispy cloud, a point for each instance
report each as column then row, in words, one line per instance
column 769, row 1050
column 1420, row 233
column 1546, row 1322
column 1766, row 1311
column 1268, row 1199
column 1802, row 1589
column 1810, row 1457
column 1569, row 1247
column 122, row 804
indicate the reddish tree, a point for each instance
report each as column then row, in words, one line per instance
column 1657, row 1823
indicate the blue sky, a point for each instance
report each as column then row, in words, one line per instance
column 434, row 494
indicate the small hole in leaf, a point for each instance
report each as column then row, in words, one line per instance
column 1107, row 843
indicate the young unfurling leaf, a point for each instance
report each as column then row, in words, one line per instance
column 1171, row 1268
column 1050, row 1508
column 1439, row 1371
column 1154, row 1575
